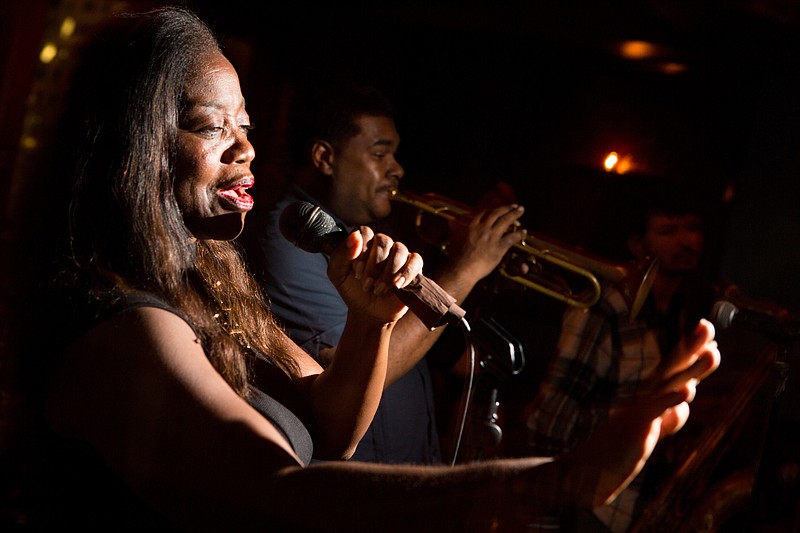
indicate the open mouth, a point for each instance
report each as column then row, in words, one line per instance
column 237, row 197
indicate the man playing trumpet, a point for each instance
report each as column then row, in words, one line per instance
column 347, row 164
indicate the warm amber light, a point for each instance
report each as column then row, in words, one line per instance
column 611, row 161
column 672, row 68
column 28, row 142
column 625, row 164
column 48, row 53
column 67, row 28
column 619, row 164
column 638, row 49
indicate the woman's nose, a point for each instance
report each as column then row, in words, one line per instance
column 241, row 151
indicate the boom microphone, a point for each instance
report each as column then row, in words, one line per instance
column 766, row 320
column 311, row 229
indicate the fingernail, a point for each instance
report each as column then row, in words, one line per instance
column 358, row 268
column 368, row 283
column 380, row 288
column 709, row 325
column 399, row 281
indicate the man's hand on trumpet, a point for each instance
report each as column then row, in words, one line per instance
column 478, row 244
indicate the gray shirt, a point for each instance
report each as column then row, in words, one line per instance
column 306, row 302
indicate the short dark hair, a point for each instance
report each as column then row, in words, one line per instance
column 329, row 113
column 663, row 197
column 628, row 203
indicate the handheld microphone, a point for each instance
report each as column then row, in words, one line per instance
column 725, row 314
column 311, row 229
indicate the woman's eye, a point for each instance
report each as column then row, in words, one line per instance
column 210, row 131
column 213, row 130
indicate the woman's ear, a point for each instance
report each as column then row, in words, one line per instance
column 322, row 154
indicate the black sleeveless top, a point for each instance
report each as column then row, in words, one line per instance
column 281, row 417
column 67, row 481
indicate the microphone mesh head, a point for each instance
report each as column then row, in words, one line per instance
column 303, row 224
column 723, row 313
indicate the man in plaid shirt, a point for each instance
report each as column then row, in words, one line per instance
column 603, row 357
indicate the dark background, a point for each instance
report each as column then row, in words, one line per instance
column 535, row 94
column 531, row 93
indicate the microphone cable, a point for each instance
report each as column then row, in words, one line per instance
column 467, row 390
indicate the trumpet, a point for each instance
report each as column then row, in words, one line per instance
column 577, row 283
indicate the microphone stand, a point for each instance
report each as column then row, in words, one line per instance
column 500, row 356
column 776, row 487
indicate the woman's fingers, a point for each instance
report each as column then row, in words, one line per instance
column 397, row 269
column 410, row 269
column 706, row 358
column 382, row 263
column 674, row 418
column 705, row 362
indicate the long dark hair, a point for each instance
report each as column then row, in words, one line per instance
column 126, row 231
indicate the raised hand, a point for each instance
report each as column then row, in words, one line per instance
column 366, row 267
column 616, row 452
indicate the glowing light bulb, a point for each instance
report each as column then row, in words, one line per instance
column 67, row 28
column 611, row 161
column 48, row 53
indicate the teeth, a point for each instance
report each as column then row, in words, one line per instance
column 238, row 189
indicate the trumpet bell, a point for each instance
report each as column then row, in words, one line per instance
column 637, row 285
